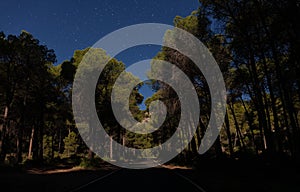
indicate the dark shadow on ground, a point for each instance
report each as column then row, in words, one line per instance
column 207, row 176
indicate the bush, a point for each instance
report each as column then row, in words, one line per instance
column 71, row 144
column 47, row 147
column 90, row 163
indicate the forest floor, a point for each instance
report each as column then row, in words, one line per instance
column 208, row 177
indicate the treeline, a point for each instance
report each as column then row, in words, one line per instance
column 37, row 122
column 263, row 75
column 255, row 43
column 34, row 103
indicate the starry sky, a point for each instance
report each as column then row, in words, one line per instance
column 76, row 24
column 67, row 25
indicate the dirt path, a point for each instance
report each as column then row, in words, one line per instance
column 167, row 178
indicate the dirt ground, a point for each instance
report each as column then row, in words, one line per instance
column 165, row 178
column 49, row 180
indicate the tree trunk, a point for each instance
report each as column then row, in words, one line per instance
column 111, row 148
column 273, row 104
column 20, row 145
column 218, row 148
column 227, row 127
column 238, row 130
column 59, row 141
column 3, row 146
column 269, row 124
column 265, row 132
column 35, row 143
column 90, row 154
column 30, row 144
column 20, row 131
column 52, row 146
column 41, row 132
column 250, row 123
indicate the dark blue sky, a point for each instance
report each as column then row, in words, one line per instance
column 67, row 25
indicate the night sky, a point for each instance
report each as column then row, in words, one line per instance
column 67, row 25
